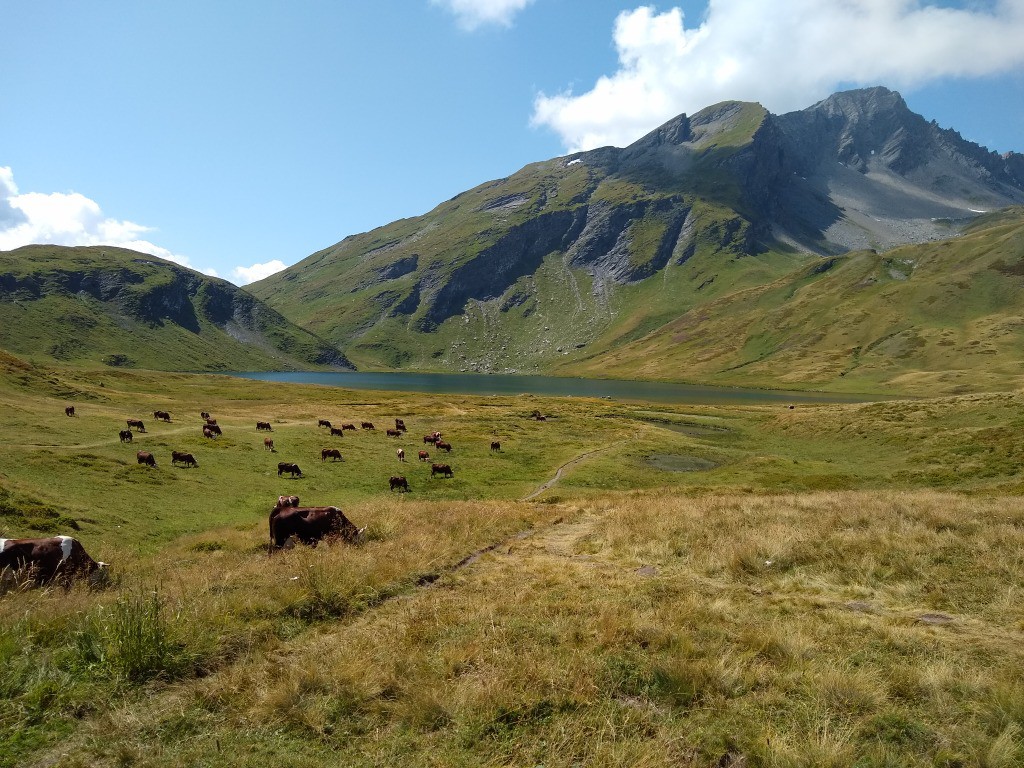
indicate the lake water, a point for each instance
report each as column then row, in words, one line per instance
column 614, row 389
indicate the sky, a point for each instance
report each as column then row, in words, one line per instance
column 239, row 137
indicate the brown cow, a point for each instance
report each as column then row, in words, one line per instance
column 264, row 426
column 394, row 433
column 443, row 446
column 268, row 444
column 162, row 415
column 204, row 414
column 348, row 426
column 309, row 525
column 400, row 424
column 441, row 469
column 185, row 458
column 207, row 432
column 337, row 432
column 367, row 425
column 399, row 482
column 70, row 410
column 211, row 422
column 429, row 439
column 292, row 469
column 59, row 558
column 424, row 455
column 214, row 428
column 137, row 423
column 323, row 423
column 495, row 445
column 401, row 454
column 125, row 435
column 333, row 453
column 147, row 458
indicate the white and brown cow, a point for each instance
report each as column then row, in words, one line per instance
column 60, row 558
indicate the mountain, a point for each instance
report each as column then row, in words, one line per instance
column 569, row 261
column 123, row 308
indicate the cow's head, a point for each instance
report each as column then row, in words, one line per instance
column 100, row 575
column 359, row 538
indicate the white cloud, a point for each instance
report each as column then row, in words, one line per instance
column 246, row 275
column 785, row 54
column 68, row 218
column 472, row 14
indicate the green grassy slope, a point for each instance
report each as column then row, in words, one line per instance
column 938, row 317
column 123, row 308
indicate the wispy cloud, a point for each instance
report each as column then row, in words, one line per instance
column 69, row 218
column 471, row 14
column 785, row 54
column 246, row 275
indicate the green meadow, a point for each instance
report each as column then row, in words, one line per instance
column 622, row 584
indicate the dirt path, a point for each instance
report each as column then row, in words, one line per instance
column 558, row 472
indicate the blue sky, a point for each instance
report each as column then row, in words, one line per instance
column 238, row 137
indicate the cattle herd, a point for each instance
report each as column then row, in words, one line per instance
column 62, row 558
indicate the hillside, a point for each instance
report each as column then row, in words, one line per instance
column 572, row 260
column 123, row 308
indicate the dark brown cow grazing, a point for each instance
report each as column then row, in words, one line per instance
column 399, row 482
column 400, row 453
column 147, row 458
column 429, row 439
column 213, row 428
column 137, row 423
column 400, row 424
column 495, row 445
column 125, row 435
column 162, row 415
column 60, row 558
column 310, row 525
column 268, row 444
column 424, row 455
column 292, row 469
column 348, row 426
column 207, row 432
column 263, row 426
column 184, row 458
column 441, row 469
column 323, row 423
column 394, row 433
column 70, row 410
column 542, row 418
column 337, row 432
column 443, row 446
column 367, row 425
column 332, row 453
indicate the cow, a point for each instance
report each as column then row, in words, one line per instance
column 55, row 558
column 283, row 502
column 208, row 433
column 137, row 423
column 542, row 418
column 424, row 455
column 399, row 482
column 495, row 445
column 443, row 446
column 292, row 469
column 162, row 415
column 429, row 439
column 323, row 423
column 69, row 411
column 348, row 426
column 310, row 525
column 184, row 458
column 441, row 469
column 268, row 444
column 400, row 424
column 125, row 435
column 400, row 453
column 145, row 457
column 394, row 433
column 213, row 428
column 337, row 432
column 333, row 453
column 367, row 425
column 211, row 422
column 264, row 426
column 204, row 415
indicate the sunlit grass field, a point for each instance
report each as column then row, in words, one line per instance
column 752, row 585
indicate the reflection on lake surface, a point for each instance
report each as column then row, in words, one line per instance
column 615, row 389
